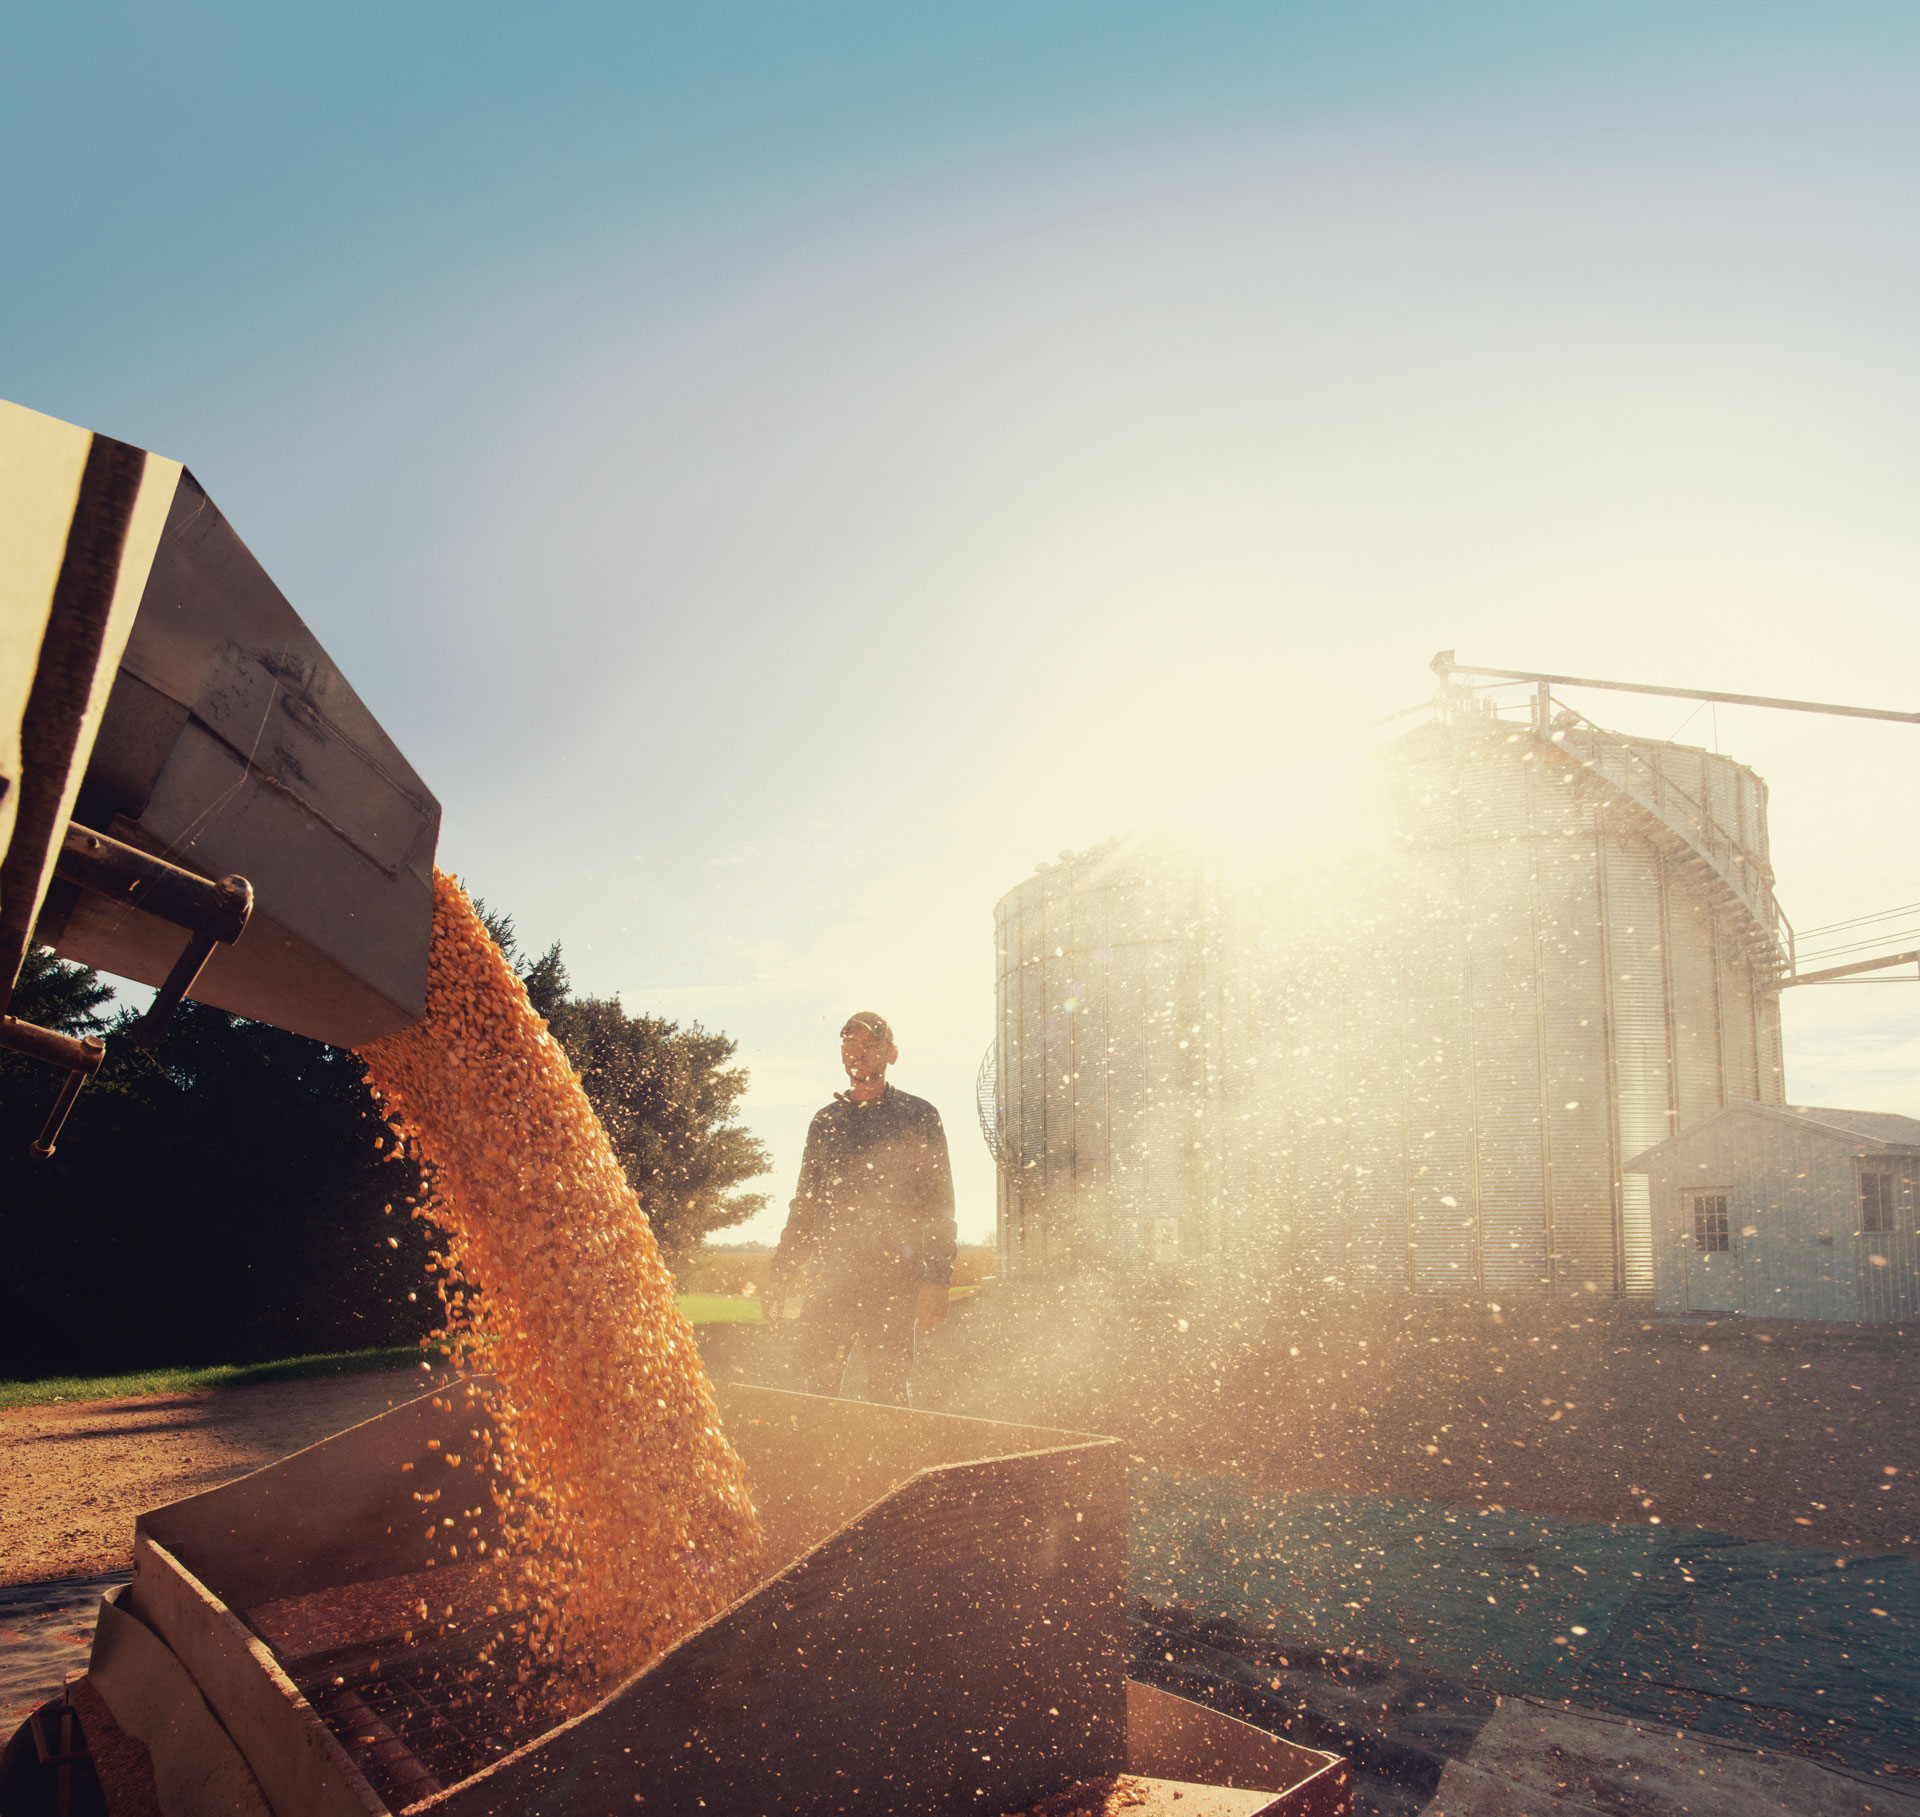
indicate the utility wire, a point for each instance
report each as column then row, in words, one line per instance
column 1835, row 927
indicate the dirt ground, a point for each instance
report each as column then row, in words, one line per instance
column 72, row 1478
column 1786, row 1433
column 1805, row 1434
column 1781, row 1433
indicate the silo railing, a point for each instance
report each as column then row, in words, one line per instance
column 1627, row 766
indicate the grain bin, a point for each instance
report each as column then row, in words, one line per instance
column 1412, row 1061
column 1103, row 1085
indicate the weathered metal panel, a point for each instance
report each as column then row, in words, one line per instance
column 153, row 1698
column 1146, row 960
column 1170, row 1739
column 1013, row 1133
column 1796, row 1242
column 1320, row 1242
column 1887, row 1248
column 1139, row 982
column 1127, row 1106
column 1668, row 1264
column 1739, row 1023
column 1681, row 785
column 943, row 1603
column 1574, row 1022
column 1802, row 1200
column 1772, row 1057
column 1686, row 1279
column 1005, row 1059
column 1778, row 1202
column 1088, row 1008
column 1033, row 1104
column 1723, row 797
column 1030, row 1081
column 80, row 517
column 1056, row 1079
column 294, row 1758
column 1696, row 1008
column 225, row 701
column 1506, row 1061
column 1441, row 1216
column 1177, row 1107
column 1750, row 815
column 1637, row 987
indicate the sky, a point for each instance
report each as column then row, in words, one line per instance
column 781, row 472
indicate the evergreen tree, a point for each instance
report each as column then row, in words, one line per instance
column 221, row 1199
column 234, row 1195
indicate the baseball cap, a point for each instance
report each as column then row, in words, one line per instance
column 872, row 1023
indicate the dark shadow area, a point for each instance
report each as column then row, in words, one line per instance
column 1396, row 1726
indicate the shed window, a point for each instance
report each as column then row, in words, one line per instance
column 1709, row 1222
column 1876, row 1200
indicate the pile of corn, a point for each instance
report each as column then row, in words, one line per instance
column 624, row 1514
column 1093, row 1798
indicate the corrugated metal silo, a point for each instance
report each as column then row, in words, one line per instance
column 1415, row 1068
column 1608, row 902
column 1101, row 1080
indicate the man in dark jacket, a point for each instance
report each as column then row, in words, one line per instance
column 870, row 1235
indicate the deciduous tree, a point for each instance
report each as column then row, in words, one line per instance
column 665, row 1094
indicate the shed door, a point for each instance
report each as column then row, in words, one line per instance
column 1885, row 1238
column 1713, row 1254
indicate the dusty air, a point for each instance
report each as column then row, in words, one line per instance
column 980, row 910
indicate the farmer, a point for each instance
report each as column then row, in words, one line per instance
column 870, row 1235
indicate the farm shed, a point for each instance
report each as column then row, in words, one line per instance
column 1784, row 1212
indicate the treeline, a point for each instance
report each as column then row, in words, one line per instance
column 234, row 1196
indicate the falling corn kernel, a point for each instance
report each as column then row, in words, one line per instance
column 624, row 1515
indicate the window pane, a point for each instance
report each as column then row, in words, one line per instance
column 1710, row 1222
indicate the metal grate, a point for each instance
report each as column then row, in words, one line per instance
column 986, row 1100
column 434, row 1710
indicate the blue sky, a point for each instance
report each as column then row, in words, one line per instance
column 781, row 471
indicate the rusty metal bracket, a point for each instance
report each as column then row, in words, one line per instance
column 72, row 1749
column 213, row 911
column 66, row 1753
column 151, row 1029
column 79, row 1057
column 202, row 905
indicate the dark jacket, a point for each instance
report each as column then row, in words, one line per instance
column 874, row 1207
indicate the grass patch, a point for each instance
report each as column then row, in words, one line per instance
column 700, row 1309
column 726, row 1309
column 718, row 1309
column 215, row 1375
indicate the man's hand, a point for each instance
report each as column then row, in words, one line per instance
column 930, row 1312
column 772, row 1304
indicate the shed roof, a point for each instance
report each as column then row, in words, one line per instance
column 1859, row 1130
